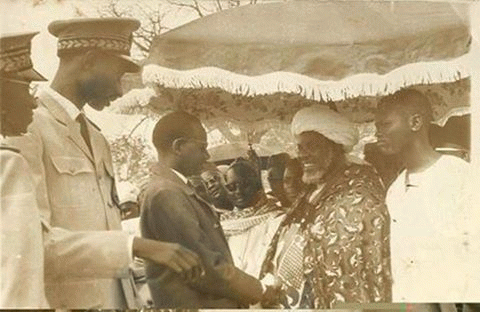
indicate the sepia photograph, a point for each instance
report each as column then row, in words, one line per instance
column 320, row 155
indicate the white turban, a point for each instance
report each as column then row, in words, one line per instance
column 328, row 123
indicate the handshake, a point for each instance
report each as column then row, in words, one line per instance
column 242, row 287
column 273, row 297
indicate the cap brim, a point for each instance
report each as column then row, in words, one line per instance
column 30, row 75
column 131, row 65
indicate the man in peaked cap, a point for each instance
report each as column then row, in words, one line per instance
column 22, row 281
column 86, row 254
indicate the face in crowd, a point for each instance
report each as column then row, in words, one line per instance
column 100, row 80
column 292, row 179
column 275, row 179
column 16, row 107
column 193, row 151
column 393, row 131
column 244, row 185
column 315, row 152
column 214, row 184
column 216, row 188
column 402, row 119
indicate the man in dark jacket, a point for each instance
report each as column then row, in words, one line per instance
column 172, row 211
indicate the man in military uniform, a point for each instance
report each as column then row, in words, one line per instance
column 86, row 254
column 22, row 282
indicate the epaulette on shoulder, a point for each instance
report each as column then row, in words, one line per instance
column 9, row 148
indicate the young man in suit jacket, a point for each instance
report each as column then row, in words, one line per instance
column 172, row 211
column 86, row 254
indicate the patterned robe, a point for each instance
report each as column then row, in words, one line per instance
column 344, row 235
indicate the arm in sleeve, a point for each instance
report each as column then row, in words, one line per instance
column 96, row 254
column 173, row 217
column 21, row 237
column 377, row 253
column 101, row 254
column 374, row 237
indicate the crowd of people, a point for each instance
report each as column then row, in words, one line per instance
column 325, row 229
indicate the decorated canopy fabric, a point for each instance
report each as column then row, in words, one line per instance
column 246, row 69
column 325, row 40
column 238, row 64
column 212, row 105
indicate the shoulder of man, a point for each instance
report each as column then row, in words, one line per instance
column 359, row 179
column 164, row 189
column 453, row 161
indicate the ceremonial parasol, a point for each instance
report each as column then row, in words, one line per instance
column 266, row 61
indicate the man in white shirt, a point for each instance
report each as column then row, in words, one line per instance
column 87, row 255
column 430, row 236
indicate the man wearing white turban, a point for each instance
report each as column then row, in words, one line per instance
column 341, row 227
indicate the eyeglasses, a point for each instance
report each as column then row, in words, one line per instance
column 203, row 144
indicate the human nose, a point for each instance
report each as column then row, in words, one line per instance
column 206, row 154
column 210, row 184
column 33, row 104
column 301, row 152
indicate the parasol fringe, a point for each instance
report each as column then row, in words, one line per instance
column 134, row 97
column 310, row 88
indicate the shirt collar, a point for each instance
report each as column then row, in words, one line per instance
column 181, row 176
column 69, row 107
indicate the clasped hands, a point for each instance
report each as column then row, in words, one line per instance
column 189, row 265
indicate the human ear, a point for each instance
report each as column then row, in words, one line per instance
column 416, row 122
column 177, row 145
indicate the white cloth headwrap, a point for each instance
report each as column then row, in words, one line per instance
column 328, row 123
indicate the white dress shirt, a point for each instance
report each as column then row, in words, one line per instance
column 430, row 233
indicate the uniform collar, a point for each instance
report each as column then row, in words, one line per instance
column 69, row 107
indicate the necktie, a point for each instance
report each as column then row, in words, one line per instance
column 82, row 120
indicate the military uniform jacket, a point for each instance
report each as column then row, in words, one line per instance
column 86, row 252
column 22, row 281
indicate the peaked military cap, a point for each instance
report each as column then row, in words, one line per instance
column 112, row 35
column 15, row 57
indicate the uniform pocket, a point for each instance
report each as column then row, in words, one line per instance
column 71, row 165
column 72, row 184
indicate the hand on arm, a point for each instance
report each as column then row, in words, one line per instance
column 178, row 258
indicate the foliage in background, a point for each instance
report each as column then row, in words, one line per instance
column 152, row 15
column 132, row 158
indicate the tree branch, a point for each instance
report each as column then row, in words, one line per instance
column 219, row 5
column 141, row 47
column 195, row 6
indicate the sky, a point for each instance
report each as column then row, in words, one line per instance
column 35, row 15
column 23, row 15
